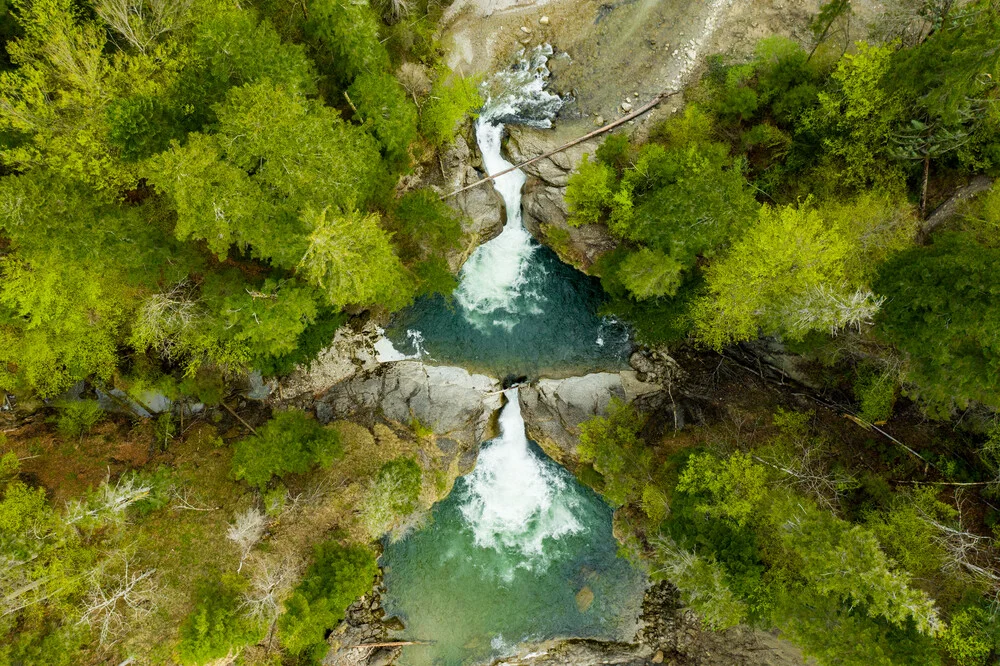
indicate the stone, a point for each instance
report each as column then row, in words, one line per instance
column 525, row 29
column 626, row 107
column 584, row 598
column 553, row 409
column 393, row 624
column 544, row 20
column 450, row 401
column 658, row 657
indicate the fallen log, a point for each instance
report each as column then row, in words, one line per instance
column 597, row 132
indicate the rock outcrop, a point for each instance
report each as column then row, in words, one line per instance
column 553, row 409
column 456, row 405
column 482, row 206
column 349, row 353
column 544, row 200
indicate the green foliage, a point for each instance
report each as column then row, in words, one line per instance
column 77, row 417
column 290, row 443
column 876, row 393
column 973, row 636
column 611, row 444
column 943, row 311
column 732, row 489
column 382, row 103
column 702, row 584
column 345, row 37
column 350, row 260
column 393, row 494
column 783, row 276
column 589, row 192
column 216, row 627
column 450, row 103
column 336, row 578
column 650, row 274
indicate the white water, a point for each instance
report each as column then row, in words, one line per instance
column 514, row 501
column 495, row 275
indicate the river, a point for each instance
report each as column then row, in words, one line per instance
column 519, row 551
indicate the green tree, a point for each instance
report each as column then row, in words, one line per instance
column 290, row 443
column 336, row 578
column 612, row 445
column 450, row 102
column 943, row 312
column 787, row 275
column 216, row 627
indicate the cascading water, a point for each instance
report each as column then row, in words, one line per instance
column 519, row 550
column 517, row 309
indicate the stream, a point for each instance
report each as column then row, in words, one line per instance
column 518, row 310
column 519, row 551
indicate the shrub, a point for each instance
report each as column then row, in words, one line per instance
column 392, row 494
column 75, row 418
column 337, row 577
column 876, row 393
column 215, row 627
column 290, row 443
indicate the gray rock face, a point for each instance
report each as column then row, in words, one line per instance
column 482, row 206
column 553, row 409
column 449, row 401
column 544, row 201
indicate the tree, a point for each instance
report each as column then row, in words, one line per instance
column 611, row 444
column 943, row 312
column 216, row 627
column 787, row 276
column 337, row 577
column 351, row 261
column 733, row 489
column 290, row 443
column 450, row 102
column 701, row 583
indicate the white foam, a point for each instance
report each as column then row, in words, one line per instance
column 493, row 277
column 514, row 501
column 386, row 352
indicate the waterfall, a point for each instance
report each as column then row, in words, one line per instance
column 494, row 281
column 513, row 501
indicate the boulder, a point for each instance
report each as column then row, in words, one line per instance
column 482, row 207
column 450, row 401
column 349, row 353
column 553, row 409
column 544, row 200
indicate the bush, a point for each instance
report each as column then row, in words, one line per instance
column 337, row 577
column 876, row 393
column 215, row 627
column 290, row 443
column 392, row 494
column 75, row 418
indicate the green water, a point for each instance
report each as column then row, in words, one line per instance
column 504, row 560
column 549, row 326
